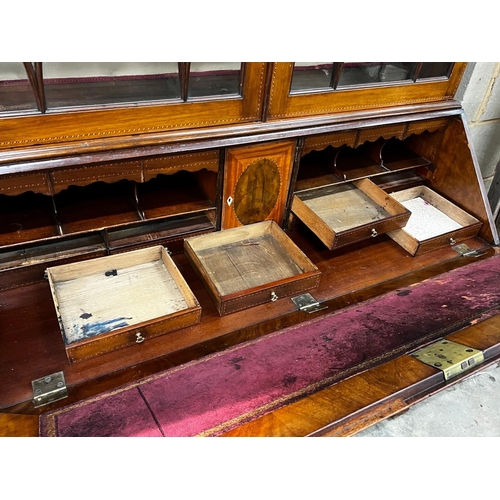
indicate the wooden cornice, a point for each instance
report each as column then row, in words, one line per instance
column 21, row 160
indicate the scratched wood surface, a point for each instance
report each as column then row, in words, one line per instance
column 346, row 208
column 248, row 263
column 100, row 302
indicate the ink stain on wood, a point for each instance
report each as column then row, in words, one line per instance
column 92, row 329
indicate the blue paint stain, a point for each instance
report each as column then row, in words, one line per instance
column 103, row 326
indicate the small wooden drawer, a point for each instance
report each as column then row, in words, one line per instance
column 346, row 213
column 250, row 265
column 116, row 301
column 435, row 222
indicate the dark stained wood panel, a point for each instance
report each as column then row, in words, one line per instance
column 26, row 217
column 98, row 206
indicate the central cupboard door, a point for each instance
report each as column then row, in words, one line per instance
column 256, row 182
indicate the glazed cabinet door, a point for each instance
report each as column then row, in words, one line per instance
column 256, row 182
column 306, row 89
column 60, row 103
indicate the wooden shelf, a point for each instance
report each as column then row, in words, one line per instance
column 167, row 206
column 334, row 165
column 165, row 196
column 98, row 206
column 161, row 232
column 25, row 218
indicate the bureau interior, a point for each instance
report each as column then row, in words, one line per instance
column 436, row 155
column 345, row 163
column 174, row 203
column 124, row 212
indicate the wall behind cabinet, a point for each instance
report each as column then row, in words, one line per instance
column 479, row 94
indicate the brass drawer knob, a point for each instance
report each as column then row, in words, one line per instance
column 374, row 233
column 139, row 339
column 274, row 297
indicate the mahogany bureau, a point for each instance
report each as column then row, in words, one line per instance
column 97, row 161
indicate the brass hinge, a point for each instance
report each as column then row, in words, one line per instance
column 466, row 251
column 450, row 357
column 49, row 389
column 307, row 303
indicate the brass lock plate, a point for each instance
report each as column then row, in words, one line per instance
column 450, row 357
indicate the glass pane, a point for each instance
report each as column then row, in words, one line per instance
column 88, row 83
column 211, row 79
column 15, row 89
column 434, row 70
column 366, row 73
column 311, row 75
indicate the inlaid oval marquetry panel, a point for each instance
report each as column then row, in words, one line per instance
column 256, row 180
column 257, row 191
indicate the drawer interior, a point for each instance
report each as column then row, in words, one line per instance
column 243, row 258
column 344, row 207
column 431, row 214
column 248, row 263
column 114, row 292
column 335, row 212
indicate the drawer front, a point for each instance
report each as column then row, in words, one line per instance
column 268, row 294
column 385, row 132
column 427, row 126
column 369, row 231
column 32, row 273
column 131, row 336
column 175, row 246
column 334, row 139
column 447, row 240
